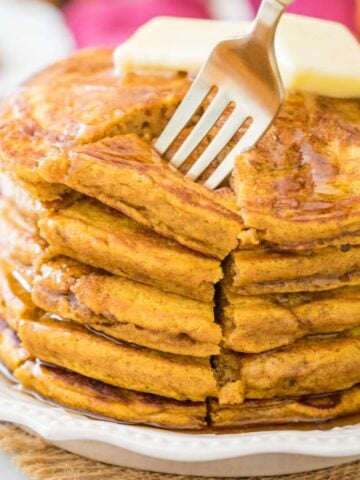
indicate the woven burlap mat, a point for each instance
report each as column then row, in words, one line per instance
column 41, row 461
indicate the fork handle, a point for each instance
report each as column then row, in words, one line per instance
column 266, row 20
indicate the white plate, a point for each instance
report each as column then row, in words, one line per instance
column 256, row 453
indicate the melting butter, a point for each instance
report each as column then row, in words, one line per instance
column 314, row 55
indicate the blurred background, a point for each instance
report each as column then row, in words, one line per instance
column 34, row 33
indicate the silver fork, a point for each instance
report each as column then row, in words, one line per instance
column 245, row 72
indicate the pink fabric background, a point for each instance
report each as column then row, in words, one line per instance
column 339, row 10
column 109, row 22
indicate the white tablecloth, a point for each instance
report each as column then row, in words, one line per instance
column 9, row 471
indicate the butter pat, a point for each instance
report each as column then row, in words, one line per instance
column 314, row 55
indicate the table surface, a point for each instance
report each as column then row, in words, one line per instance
column 8, row 471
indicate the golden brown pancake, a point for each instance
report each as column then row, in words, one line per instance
column 80, row 100
column 310, row 366
column 259, row 271
column 127, row 310
column 26, row 209
column 21, row 202
column 125, row 173
column 104, row 238
column 15, row 294
column 285, row 411
column 253, row 324
column 12, row 354
column 18, row 244
column 22, row 144
column 82, row 393
column 118, row 364
column 79, row 392
column 342, row 242
column 300, row 184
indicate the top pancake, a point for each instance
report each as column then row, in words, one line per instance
column 298, row 187
column 301, row 183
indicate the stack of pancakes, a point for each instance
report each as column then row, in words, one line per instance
column 110, row 258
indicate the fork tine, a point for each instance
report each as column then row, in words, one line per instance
column 224, row 135
column 250, row 137
column 206, row 122
column 192, row 100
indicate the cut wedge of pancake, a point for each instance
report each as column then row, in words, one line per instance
column 124, row 365
column 311, row 366
column 127, row 310
column 253, row 324
column 104, row 238
column 125, row 173
column 255, row 272
column 300, row 184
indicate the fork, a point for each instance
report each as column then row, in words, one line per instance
column 245, row 73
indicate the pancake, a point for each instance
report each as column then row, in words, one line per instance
column 253, row 324
column 311, row 366
column 25, row 208
column 125, row 173
column 82, row 393
column 76, row 101
column 127, row 310
column 12, row 354
column 282, row 411
column 101, row 237
column 21, row 146
column 123, row 365
column 79, row 392
column 20, row 200
column 17, row 243
column 300, row 184
column 15, row 294
column 259, row 271
column 342, row 242
column 81, row 99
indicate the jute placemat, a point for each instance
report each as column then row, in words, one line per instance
column 41, row 461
